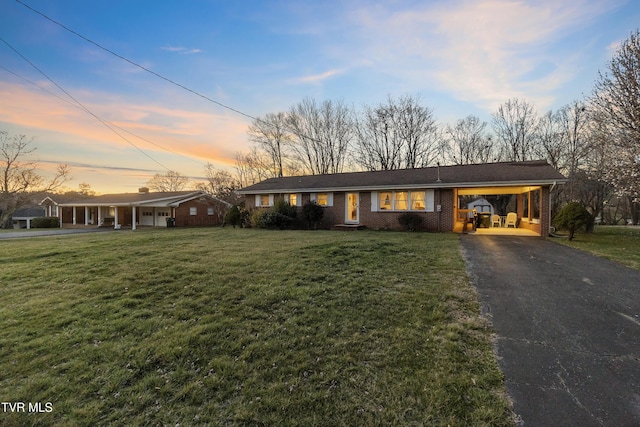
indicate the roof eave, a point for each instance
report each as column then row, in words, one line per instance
column 437, row 185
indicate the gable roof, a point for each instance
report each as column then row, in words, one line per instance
column 158, row 199
column 536, row 172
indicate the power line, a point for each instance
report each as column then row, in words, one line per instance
column 82, row 105
column 160, row 76
column 136, row 64
column 111, row 123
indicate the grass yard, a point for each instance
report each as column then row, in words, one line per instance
column 617, row 243
column 218, row 327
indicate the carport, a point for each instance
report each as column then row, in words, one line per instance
column 502, row 210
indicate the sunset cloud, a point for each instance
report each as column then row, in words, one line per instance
column 181, row 50
column 482, row 52
column 317, row 78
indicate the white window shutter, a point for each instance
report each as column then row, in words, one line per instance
column 374, row 201
column 258, row 199
column 429, row 200
column 270, row 199
column 313, row 197
column 329, row 199
column 299, row 199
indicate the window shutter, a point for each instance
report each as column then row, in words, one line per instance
column 270, row 199
column 299, row 199
column 313, row 197
column 257, row 200
column 374, row 201
column 429, row 200
column 329, row 199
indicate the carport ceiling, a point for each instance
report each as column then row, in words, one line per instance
column 481, row 191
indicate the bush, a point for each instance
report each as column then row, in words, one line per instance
column 410, row 221
column 284, row 208
column 233, row 217
column 45, row 222
column 573, row 217
column 270, row 219
column 312, row 213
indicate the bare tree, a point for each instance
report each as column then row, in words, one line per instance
column 19, row 177
column 169, row 181
column 322, row 135
column 397, row 134
column 271, row 134
column 551, row 143
column 574, row 124
column 418, row 129
column 219, row 183
column 468, row 142
column 379, row 146
column 515, row 124
column 616, row 105
column 252, row 167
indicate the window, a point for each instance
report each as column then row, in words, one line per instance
column 264, row 200
column 417, row 200
column 193, row 211
column 535, row 204
column 209, row 211
column 525, row 205
column 400, row 201
column 385, row 201
column 293, row 200
column 163, row 213
column 322, row 199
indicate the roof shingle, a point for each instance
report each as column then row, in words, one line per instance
column 503, row 173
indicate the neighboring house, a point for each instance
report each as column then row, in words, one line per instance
column 437, row 194
column 144, row 208
column 22, row 217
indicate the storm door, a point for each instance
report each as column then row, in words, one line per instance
column 352, row 213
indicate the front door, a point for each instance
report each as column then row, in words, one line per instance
column 352, row 208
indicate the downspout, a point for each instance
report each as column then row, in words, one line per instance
column 439, row 207
column 549, row 203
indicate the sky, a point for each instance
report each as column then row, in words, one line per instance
column 121, row 90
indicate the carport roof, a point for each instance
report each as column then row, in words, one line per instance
column 536, row 172
column 164, row 198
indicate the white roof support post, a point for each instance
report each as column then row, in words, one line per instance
column 133, row 217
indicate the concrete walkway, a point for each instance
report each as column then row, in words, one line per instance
column 568, row 329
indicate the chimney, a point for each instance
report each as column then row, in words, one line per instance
column 143, row 190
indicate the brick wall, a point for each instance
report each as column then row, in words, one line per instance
column 202, row 217
column 380, row 220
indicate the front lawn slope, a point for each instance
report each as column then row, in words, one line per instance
column 245, row 327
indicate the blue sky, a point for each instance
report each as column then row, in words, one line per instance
column 460, row 57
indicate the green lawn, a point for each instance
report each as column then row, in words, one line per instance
column 216, row 326
column 618, row 243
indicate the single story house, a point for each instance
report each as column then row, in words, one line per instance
column 144, row 208
column 440, row 195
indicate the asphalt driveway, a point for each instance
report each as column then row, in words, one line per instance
column 568, row 329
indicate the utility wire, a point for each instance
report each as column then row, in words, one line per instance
column 136, row 64
column 82, row 106
column 111, row 123
column 160, row 76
